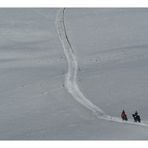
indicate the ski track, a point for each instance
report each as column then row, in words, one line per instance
column 71, row 76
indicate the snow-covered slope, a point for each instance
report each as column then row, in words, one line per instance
column 108, row 47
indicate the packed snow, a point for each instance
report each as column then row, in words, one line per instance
column 67, row 74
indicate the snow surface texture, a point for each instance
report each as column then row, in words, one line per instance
column 71, row 77
column 106, row 52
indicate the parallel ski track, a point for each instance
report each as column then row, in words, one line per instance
column 71, row 76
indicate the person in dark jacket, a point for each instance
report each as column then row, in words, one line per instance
column 136, row 117
column 124, row 116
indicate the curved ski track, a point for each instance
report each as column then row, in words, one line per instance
column 71, row 76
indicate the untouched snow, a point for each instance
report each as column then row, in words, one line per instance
column 106, row 51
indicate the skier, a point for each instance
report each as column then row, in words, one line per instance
column 136, row 117
column 124, row 116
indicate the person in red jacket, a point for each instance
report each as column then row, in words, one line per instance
column 124, row 116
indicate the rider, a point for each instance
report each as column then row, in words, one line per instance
column 136, row 117
column 124, row 116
